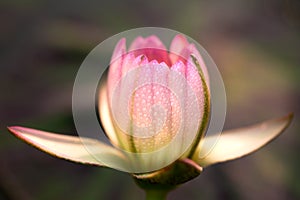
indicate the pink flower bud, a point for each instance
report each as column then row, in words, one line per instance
column 153, row 95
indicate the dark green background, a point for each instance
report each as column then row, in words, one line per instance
column 255, row 44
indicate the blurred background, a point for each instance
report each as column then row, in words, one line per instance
column 255, row 44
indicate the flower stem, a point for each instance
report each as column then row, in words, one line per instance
column 156, row 194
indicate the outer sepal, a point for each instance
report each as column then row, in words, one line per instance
column 67, row 147
column 179, row 172
column 240, row 142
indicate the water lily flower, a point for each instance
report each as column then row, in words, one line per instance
column 154, row 106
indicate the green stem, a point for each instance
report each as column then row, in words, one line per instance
column 156, row 194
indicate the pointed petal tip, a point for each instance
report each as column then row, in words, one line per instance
column 136, row 43
column 151, row 41
column 121, row 42
column 16, row 130
column 289, row 116
column 153, row 38
column 180, row 39
column 11, row 128
column 119, row 50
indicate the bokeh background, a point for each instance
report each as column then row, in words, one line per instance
column 255, row 44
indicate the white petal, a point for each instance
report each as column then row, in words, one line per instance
column 67, row 147
column 236, row 143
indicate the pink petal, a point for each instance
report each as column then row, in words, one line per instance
column 151, row 47
column 177, row 45
column 137, row 43
column 127, row 63
column 115, row 67
column 179, row 67
column 181, row 49
column 148, row 42
column 190, row 72
column 117, row 55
